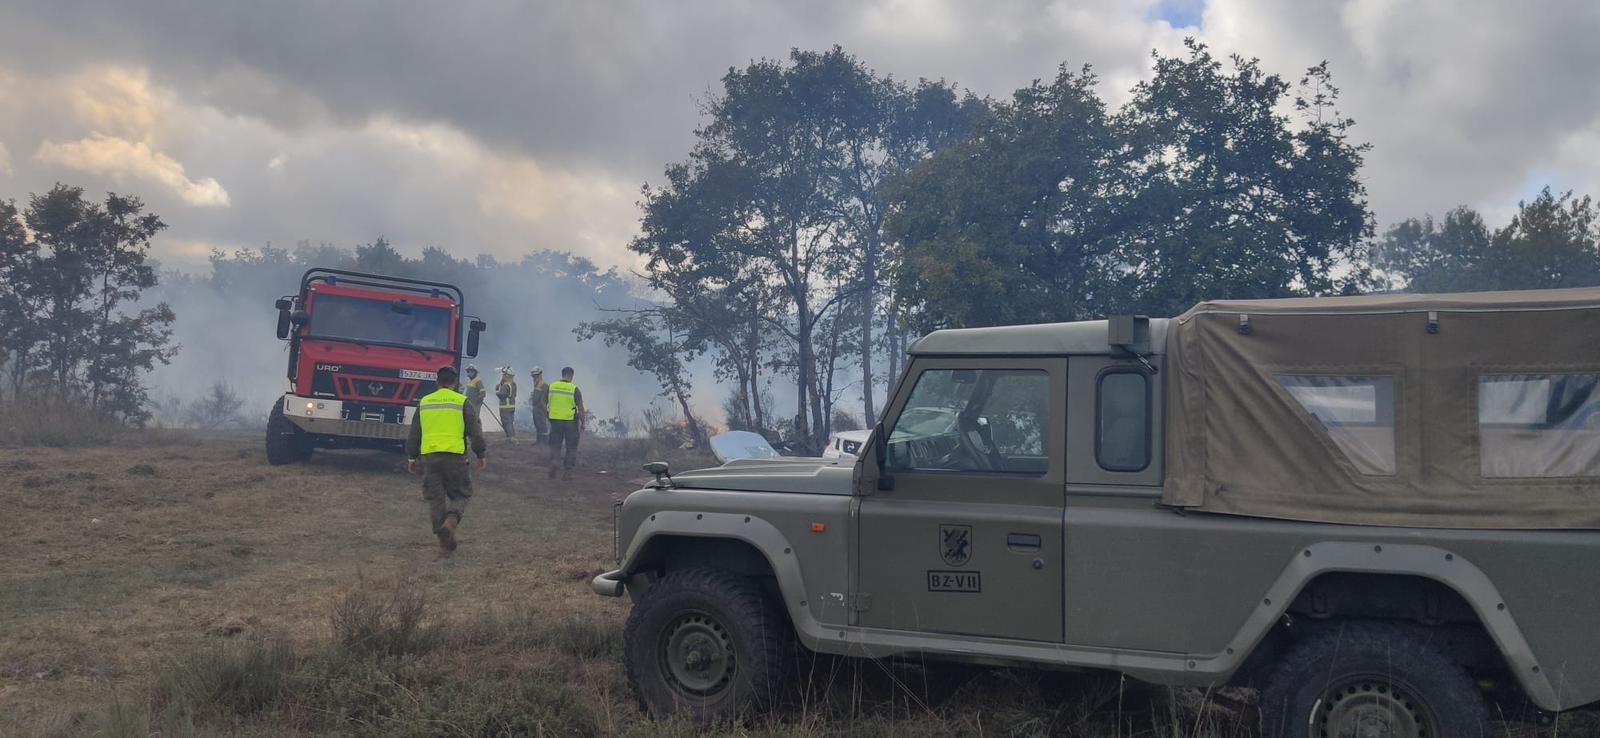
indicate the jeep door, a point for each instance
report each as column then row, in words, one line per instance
column 968, row 540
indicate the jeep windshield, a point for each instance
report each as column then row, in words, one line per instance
column 973, row 420
column 343, row 318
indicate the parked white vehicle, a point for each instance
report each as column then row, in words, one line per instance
column 845, row 444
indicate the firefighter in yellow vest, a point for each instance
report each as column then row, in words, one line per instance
column 506, row 390
column 566, row 423
column 437, row 447
column 475, row 389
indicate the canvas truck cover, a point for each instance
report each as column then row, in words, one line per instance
column 1476, row 410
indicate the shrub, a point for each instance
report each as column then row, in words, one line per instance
column 236, row 677
column 367, row 622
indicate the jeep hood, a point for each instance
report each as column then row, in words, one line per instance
column 802, row 476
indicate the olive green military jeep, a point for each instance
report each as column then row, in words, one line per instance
column 1381, row 511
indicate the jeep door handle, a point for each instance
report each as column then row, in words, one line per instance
column 1024, row 542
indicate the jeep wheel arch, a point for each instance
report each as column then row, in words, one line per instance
column 746, row 539
column 1410, row 563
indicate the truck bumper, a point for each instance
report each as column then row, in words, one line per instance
column 610, row 584
column 330, row 418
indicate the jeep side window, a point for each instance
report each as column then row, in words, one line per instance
column 974, row 420
column 1539, row 425
column 1357, row 412
column 1122, row 421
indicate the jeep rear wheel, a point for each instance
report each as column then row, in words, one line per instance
column 707, row 645
column 1371, row 679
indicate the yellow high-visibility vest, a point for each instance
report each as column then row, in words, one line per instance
column 563, row 400
column 444, row 422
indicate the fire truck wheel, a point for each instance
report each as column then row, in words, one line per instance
column 286, row 443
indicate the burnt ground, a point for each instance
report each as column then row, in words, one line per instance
column 116, row 562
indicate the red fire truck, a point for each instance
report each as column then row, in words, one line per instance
column 363, row 349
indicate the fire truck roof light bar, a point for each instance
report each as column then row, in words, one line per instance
column 379, row 281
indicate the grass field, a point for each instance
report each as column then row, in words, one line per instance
column 191, row 589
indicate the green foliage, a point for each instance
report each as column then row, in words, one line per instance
column 1013, row 225
column 1057, row 209
column 1550, row 242
column 67, row 278
column 774, row 220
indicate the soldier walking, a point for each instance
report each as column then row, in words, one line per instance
column 566, row 422
column 539, row 403
column 506, row 390
column 437, row 447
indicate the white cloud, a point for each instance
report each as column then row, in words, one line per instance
column 121, row 159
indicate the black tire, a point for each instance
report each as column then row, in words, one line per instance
column 1371, row 674
column 735, row 634
column 286, row 443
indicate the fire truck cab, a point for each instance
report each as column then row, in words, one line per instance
column 363, row 349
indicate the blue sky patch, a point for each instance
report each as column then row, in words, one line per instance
column 1180, row 13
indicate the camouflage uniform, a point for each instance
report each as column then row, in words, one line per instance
column 539, row 403
column 446, row 483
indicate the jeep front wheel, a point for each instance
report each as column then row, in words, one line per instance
column 707, row 645
column 1371, row 679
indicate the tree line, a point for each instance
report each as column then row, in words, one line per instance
column 825, row 214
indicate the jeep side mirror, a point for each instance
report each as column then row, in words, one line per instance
column 474, row 329
column 1131, row 335
column 1129, row 332
column 661, row 472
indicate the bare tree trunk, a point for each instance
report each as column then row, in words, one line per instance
column 804, row 367
column 891, row 329
column 754, row 354
column 688, row 415
column 99, row 343
column 869, row 300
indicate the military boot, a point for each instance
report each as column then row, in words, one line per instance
column 447, row 532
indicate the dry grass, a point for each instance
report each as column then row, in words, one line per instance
column 43, row 423
column 193, row 590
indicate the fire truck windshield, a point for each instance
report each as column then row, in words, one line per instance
column 376, row 321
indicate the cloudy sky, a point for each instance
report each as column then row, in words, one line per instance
column 502, row 127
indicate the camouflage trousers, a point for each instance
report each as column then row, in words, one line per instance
column 564, row 433
column 446, row 485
